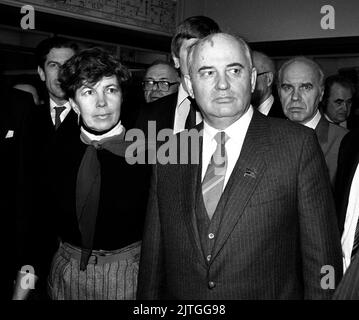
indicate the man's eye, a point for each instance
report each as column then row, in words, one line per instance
column 235, row 71
column 285, row 87
column 307, row 86
column 53, row 65
column 207, row 73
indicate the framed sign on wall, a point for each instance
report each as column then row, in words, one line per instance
column 152, row 16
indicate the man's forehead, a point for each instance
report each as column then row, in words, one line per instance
column 222, row 45
column 59, row 54
column 300, row 71
column 160, row 70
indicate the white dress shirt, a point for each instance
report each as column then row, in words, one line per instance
column 236, row 133
column 63, row 113
column 265, row 106
column 116, row 130
column 182, row 111
column 314, row 121
column 351, row 220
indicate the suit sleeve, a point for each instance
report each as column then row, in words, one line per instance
column 151, row 273
column 319, row 235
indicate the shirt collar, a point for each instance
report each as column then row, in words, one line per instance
column 182, row 95
column 235, row 131
column 314, row 121
column 265, row 106
column 53, row 104
column 116, row 130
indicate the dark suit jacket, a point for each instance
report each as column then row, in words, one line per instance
column 15, row 107
column 348, row 288
column 278, row 227
column 330, row 136
column 162, row 111
column 38, row 169
column 276, row 110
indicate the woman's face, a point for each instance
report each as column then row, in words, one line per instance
column 100, row 104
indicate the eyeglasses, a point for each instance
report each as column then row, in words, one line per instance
column 161, row 85
column 260, row 73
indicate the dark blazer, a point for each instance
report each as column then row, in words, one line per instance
column 162, row 111
column 330, row 136
column 348, row 288
column 38, row 170
column 15, row 107
column 278, row 227
column 347, row 163
column 276, row 110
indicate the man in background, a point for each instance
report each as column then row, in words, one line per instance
column 161, row 79
column 53, row 120
column 300, row 89
column 337, row 100
column 262, row 97
column 178, row 111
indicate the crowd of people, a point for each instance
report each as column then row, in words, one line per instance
column 272, row 201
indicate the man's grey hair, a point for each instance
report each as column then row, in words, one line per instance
column 241, row 41
column 315, row 66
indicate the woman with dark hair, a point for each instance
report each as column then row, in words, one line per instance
column 99, row 199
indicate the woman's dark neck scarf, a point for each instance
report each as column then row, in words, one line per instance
column 88, row 187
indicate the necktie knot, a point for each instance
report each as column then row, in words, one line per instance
column 220, row 153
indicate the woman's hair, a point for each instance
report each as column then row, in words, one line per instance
column 88, row 67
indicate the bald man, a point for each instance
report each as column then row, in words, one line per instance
column 262, row 97
column 161, row 79
column 242, row 222
column 301, row 88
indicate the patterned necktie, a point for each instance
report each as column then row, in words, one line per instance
column 212, row 185
column 356, row 240
column 58, row 111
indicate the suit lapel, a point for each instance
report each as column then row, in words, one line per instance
column 190, row 177
column 244, row 179
column 322, row 130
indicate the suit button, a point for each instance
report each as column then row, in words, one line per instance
column 211, row 284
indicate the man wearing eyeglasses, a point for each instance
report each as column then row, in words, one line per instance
column 262, row 97
column 178, row 111
column 161, row 80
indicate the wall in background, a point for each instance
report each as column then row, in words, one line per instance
column 272, row 20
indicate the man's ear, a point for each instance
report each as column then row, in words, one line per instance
column 321, row 94
column 253, row 78
column 176, row 61
column 270, row 79
column 74, row 106
column 41, row 73
column 187, row 80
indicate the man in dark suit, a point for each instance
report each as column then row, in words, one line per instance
column 337, row 100
column 347, row 195
column 176, row 111
column 53, row 120
column 241, row 222
column 301, row 88
column 15, row 108
column 262, row 97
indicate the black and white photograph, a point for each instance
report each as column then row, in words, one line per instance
column 187, row 156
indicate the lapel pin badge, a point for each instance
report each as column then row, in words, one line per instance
column 250, row 173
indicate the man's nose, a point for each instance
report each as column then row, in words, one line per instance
column 222, row 82
column 296, row 94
